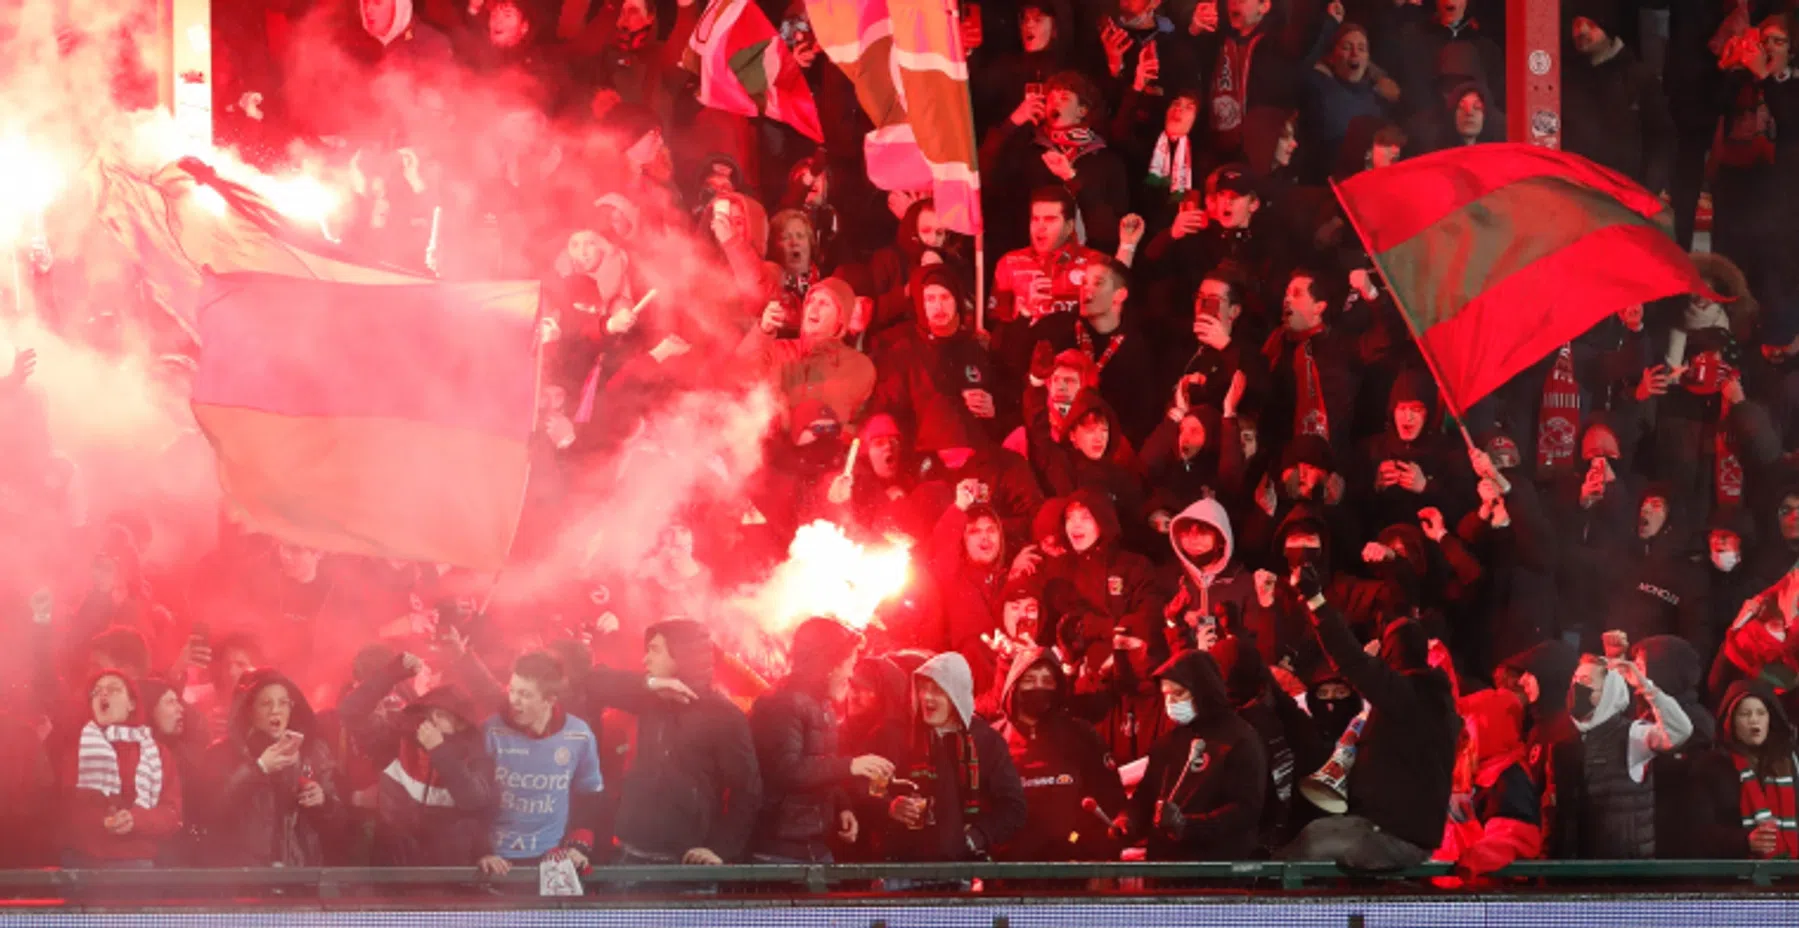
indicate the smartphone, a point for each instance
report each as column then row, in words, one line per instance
column 202, row 634
column 1033, row 89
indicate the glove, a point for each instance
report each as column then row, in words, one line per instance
column 1043, row 362
column 1170, row 821
column 1308, row 584
column 1121, row 827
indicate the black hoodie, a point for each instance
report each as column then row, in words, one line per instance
column 1406, row 754
column 1213, row 769
column 1062, row 763
column 255, row 818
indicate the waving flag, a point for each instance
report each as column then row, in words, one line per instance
column 906, row 61
column 1498, row 254
column 351, row 408
column 745, row 67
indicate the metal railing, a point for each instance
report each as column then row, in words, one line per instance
column 1071, row 878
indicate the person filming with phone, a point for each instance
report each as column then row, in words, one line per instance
column 272, row 787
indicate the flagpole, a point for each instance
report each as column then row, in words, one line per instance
column 980, row 281
column 1430, row 362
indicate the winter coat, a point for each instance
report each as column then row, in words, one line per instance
column 804, row 774
column 1061, row 763
column 83, row 810
column 1132, row 381
column 1406, row 755
column 1106, row 580
column 695, row 782
column 1616, row 114
column 1710, row 822
column 1116, row 474
column 1101, row 187
column 432, row 808
column 920, row 383
column 255, row 818
column 968, row 593
column 828, row 371
column 972, row 811
column 1514, row 607
column 1213, row 769
column 1221, row 592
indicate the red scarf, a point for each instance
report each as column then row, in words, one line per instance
column 1727, row 471
column 1084, row 341
column 1309, row 415
column 1230, row 88
column 1558, row 421
column 1770, row 800
column 968, row 762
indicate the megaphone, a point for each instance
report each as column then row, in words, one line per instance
column 1328, row 788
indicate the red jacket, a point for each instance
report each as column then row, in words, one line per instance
column 83, row 810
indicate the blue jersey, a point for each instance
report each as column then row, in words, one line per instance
column 536, row 778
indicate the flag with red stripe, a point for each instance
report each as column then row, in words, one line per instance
column 1498, row 254
column 745, row 67
column 388, row 420
column 906, row 60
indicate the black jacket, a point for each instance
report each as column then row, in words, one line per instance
column 1061, row 763
column 1616, row 114
column 1213, row 768
column 255, row 818
column 803, row 773
column 695, row 782
column 1406, row 755
column 434, row 814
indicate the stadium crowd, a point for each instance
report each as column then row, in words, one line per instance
column 1187, row 512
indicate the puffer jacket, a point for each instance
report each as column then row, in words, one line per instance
column 803, row 773
column 255, row 818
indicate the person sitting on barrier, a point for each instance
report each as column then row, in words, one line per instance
column 1070, row 780
column 692, row 793
column 1600, row 785
column 122, row 790
column 272, row 784
column 1204, row 788
column 957, row 795
column 1398, row 787
column 1743, row 799
column 804, row 769
column 1496, row 814
column 547, row 769
column 435, row 795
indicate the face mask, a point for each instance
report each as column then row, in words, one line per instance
column 1181, row 712
column 1333, row 715
column 1726, row 560
column 1580, row 700
column 1299, row 557
column 1034, row 704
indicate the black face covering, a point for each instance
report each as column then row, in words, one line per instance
column 1034, row 703
column 1581, row 701
column 1299, row 557
column 1333, row 715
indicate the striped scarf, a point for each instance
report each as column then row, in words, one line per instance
column 413, row 772
column 97, row 766
column 1770, row 799
column 968, row 761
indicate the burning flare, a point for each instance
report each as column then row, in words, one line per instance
column 827, row 574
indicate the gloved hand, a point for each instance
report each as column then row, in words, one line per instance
column 1121, row 827
column 1308, row 583
column 1170, row 821
column 1043, row 362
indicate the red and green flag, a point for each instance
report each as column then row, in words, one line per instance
column 1498, row 254
column 745, row 67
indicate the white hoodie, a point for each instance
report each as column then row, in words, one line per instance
column 1212, row 513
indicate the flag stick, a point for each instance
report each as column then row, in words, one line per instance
column 1411, row 326
column 980, row 281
